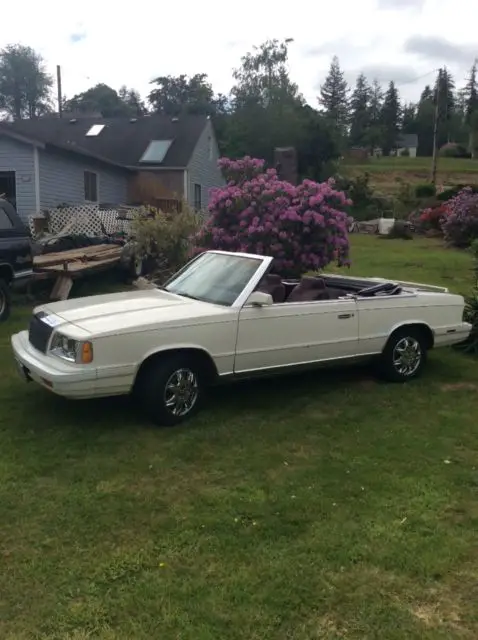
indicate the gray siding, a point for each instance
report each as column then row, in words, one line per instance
column 18, row 157
column 62, row 180
column 202, row 168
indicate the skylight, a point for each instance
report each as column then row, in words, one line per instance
column 156, row 151
column 95, row 130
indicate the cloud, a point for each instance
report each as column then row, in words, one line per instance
column 401, row 4
column 440, row 49
column 77, row 37
column 384, row 73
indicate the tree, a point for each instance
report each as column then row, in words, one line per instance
column 132, row 100
column 471, row 108
column 360, row 112
column 424, row 122
column 390, row 117
column 375, row 133
column 25, row 85
column 409, row 118
column 334, row 96
column 444, row 94
column 107, row 101
column 263, row 77
column 303, row 227
column 174, row 96
column 266, row 106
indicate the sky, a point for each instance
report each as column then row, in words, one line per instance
column 401, row 40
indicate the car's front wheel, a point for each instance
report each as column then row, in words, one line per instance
column 170, row 389
column 5, row 300
column 404, row 355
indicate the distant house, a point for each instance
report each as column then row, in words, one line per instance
column 52, row 161
column 407, row 143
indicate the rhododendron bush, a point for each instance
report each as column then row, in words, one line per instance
column 460, row 224
column 303, row 227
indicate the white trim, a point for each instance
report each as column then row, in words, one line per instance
column 186, row 186
column 97, row 186
column 36, row 174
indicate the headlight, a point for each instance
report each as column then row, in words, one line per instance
column 78, row 351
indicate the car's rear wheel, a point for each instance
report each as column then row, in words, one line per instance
column 170, row 389
column 5, row 300
column 404, row 355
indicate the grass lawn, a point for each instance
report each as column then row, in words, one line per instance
column 386, row 173
column 325, row 506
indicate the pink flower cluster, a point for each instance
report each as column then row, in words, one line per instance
column 304, row 227
column 460, row 224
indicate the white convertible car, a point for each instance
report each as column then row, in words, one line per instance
column 223, row 316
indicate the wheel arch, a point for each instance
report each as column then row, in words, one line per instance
column 6, row 272
column 200, row 355
column 419, row 325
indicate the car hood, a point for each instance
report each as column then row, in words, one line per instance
column 122, row 312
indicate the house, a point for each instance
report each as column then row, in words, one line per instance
column 52, row 161
column 408, row 142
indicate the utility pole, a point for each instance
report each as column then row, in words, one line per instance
column 435, row 129
column 58, row 86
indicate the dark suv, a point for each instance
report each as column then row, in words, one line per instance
column 16, row 258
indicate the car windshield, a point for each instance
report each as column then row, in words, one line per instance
column 214, row 277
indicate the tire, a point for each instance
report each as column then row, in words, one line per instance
column 404, row 355
column 154, row 389
column 5, row 301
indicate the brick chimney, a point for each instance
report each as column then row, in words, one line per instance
column 285, row 162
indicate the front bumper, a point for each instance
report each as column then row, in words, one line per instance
column 62, row 378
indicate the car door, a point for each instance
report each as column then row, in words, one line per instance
column 282, row 335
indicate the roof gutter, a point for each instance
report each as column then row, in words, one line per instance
column 155, row 168
column 20, row 138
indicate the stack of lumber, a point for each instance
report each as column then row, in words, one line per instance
column 78, row 260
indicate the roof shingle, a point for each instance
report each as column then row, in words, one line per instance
column 122, row 141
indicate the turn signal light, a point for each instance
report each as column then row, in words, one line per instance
column 86, row 353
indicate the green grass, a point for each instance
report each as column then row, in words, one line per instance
column 459, row 165
column 326, row 506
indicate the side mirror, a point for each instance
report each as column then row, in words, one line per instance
column 259, row 299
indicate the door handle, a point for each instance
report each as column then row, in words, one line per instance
column 345, row 316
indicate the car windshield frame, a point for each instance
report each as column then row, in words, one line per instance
column 187, row 280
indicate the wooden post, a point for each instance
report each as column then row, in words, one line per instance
column 435, row 130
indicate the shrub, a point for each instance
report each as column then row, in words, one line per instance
column 460, row 225
column 303, row 227
column 448, row 194
column 400, row 230
column 164, row 237
column 470, row 345
column 426, row 190
column 454, row 150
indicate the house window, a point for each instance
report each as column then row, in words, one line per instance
column 91, row 186
column 197, row 197
column 5, row 222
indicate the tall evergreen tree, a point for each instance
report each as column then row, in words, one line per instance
column 391, row 113
column 360, row 112
column 445, row 94
column 375, row 133
column 334, row 96
column 409, row 118
column 471, row 108
column 470, row 93
column 425, row 119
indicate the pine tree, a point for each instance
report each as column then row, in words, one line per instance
column 375, row 132
column 471, row 93
column 334, row 96
column 360, row 112
column 425, row 118
column 409, row 118
column 391, row 112
column 445, row 93
column 471, row 112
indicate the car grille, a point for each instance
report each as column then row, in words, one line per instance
column 39, row 333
